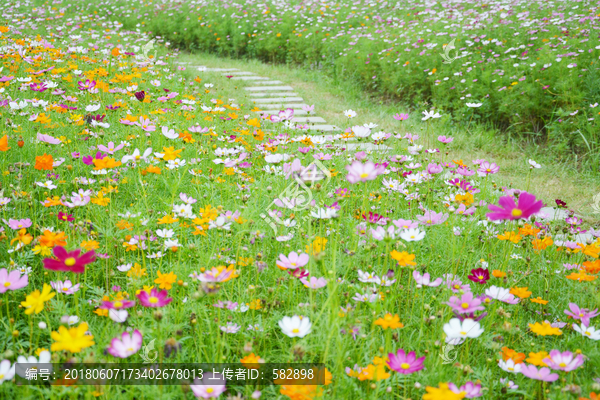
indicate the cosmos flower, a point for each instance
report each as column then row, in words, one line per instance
column 468, row 328
column 12, row 280
column 154, row 298
column 127, row 345
column 359, row 172
column 479, row 275
column 69, row 261
column 296, row 326
column 404, row 363
column 211, row 386
column 565, row 361
column 292, row 261
column 582, row 314
column 587, row 331
column 543, row 374
column 508, row 209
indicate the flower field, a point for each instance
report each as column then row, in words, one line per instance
column 533, row 65
column 141, row 210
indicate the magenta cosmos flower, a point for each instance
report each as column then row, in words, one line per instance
column 211, row 386
column 405, row 363
column 470, row 389
column 292, row 261
column 526, row 206
column 18, row 223
column 543, row 374
column 359, row 172
column 479, row 275
column 69, row 261
column 12, row 280
column 127, row 345
column 582, row 314
column 154, row 298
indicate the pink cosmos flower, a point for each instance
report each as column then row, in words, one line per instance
column 12, row 280
column 445, row 139
column 425, row 279
column 582, row 314
column 359, row 172
column 314, row 283
column 146, row 125
column 69, row 261
column 564, row 361
column 432, row 218
column 65, row 287
column 127, row 346
column 18, row 223
column 527, row 206
column 487, row 168
column 400, row 117
column 211, row 386
column 292, row 261
column 110, row 149
column 543, row 374
column 433, row 168
column 405, row 224
column 154, row 298
column 472, row 391
column 216, row 275
column 466, row 304
column 47, row 139
column 117, row 304
column 405, row 363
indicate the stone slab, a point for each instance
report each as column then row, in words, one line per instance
column 296, row 112
column 278, row 100
column 325, row 128
column 275, row 94
column 280, row 106
column 271, row 82
column 239, row 73
column 215, row 69
column 250, row 78
column 266, row 88
column 364, row 146
column 309, row 120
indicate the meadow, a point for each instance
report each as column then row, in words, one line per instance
column 141, row 203
column 531, row 65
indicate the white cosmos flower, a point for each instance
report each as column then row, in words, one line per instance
column 534, row 164
column 296, row 326
column 502, row 294
column 350, row 113
column 118, row 315
column 48, row 185
column 510, row 366
column 165, row 233
column 169, row 133
column 412, row 235
column 92, row 107
column 137, row 156
column 7, row 372
column 430, row 114
column 34, row 363
column 220, row 223
column 587, row 331
column 124, row 267
column 474, row 105
column 468, row 328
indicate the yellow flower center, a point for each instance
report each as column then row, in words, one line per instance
column 296, row 330
column 1, row 376
column 463, row 333
column 480, row 277
column 581, row 314
column 562, row 365
column 69, row 262
column 588, row 333
column 364, row 175
column 465, row 305
column 516, row 212
column 210, row 390
column 153, row 300
column 65, row 289
column 404, row 366
column 130, row 349
column 6, row 284
column 117, row 304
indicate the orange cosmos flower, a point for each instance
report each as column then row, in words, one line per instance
column 44, row 162
column 520, row 292
column 4, row 143
column 51, row 239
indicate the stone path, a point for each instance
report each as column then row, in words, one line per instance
column 273, row 95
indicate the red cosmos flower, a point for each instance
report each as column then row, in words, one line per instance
column 65, row 217
column 479, row 275
column 526, row 206
column 69, row 261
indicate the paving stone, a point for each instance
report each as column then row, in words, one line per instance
column 238, row 73
column 274, row 94
column 271, row 82
column 325, row 128
column 364, row 146
column 552, row 214
column 201, row 68
column 250, row 78
column 296, row 112
column 280, row 106
column 584, row 238
column 266, row 88
column 309, row 120
column 278, row 100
